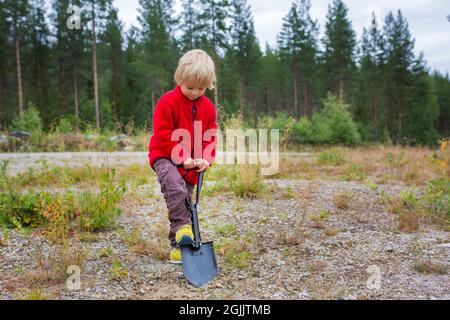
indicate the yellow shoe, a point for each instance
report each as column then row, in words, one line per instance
column 184, row 235
column 175, row 256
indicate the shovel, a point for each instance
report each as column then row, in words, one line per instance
column 199, row 259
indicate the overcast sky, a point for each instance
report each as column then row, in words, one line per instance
column 427, row 20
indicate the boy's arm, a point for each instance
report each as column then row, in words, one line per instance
column 163, row 128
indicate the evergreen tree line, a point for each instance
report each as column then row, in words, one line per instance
column 95, row 73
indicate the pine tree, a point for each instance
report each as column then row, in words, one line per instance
column 370, row 111
column 157, row 21
column 441, row 86
column 37, row 54
column 112, row 37
column 213, row 32
column 273, row 77
column 16, row 12
column 399, row 60
column 69, row 51
column 245, row 50
column 339, row 43
column 96, row 11
column 134, row 101
column 189, row 25
column 421, row 110
column 4, row 50
column 298, row 47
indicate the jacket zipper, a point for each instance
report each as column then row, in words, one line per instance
column 194, row 112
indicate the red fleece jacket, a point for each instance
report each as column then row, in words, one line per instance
column 175, row 111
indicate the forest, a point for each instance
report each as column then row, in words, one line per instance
column 73, row 63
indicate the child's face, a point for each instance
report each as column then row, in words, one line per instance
column 192, row 91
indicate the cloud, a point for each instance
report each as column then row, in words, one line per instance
column 427, row 21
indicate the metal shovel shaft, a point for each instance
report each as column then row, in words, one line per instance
column 195, row 224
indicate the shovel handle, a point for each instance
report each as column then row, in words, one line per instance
column 199, row 185
column 195, row 225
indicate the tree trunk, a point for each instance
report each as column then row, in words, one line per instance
column 295, row 96
column 64, row 86
column 94, row 68
column 241, row 96
column 75, row 92
column 2, row 99
column 389, row 119
column 375, row 118
column 153, row 100
column 267, row 99
column 18, row 69
column 400, row 119
column 216, row 92
column 114, row 83
column 305, row 102
column 341, row 81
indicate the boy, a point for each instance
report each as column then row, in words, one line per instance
column 173, row 155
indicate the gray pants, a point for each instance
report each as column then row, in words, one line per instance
column 176, row 192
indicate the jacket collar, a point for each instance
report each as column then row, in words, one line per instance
column 186, row 99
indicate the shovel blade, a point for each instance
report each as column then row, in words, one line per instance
column 199, row 265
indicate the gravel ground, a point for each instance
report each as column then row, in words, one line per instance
column 352, row 253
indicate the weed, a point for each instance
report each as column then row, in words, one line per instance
column 341, row 199
column 334, row 157
column 429, row 267
column 247, row 182
column 118, row 271
column 226, row 229
column 105, row 252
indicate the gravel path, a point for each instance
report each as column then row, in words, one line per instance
column 21, row 161
column 352, row 253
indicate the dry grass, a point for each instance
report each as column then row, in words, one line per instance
column 316, row 266
column 383, row 164
column 247, row 182
column 429, row 267
column 331, row 232
column 51, row 268
column 157, row 247
column 341, row 199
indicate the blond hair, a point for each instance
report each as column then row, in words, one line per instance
column 196, row 67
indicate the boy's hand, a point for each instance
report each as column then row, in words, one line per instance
column 188, row 163
column 201, row 164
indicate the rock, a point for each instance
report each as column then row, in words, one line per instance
column 303, row 294
column 444, row 245
column 22, row 135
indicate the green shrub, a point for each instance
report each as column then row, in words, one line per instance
column 17, row 210
column 320, row 129
column 339, row 119
column 303, row 131
column 65, row 125
column 286, row 126
column 99, row 211
column 437, row 198
column 93, row 211
column 30, row 121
